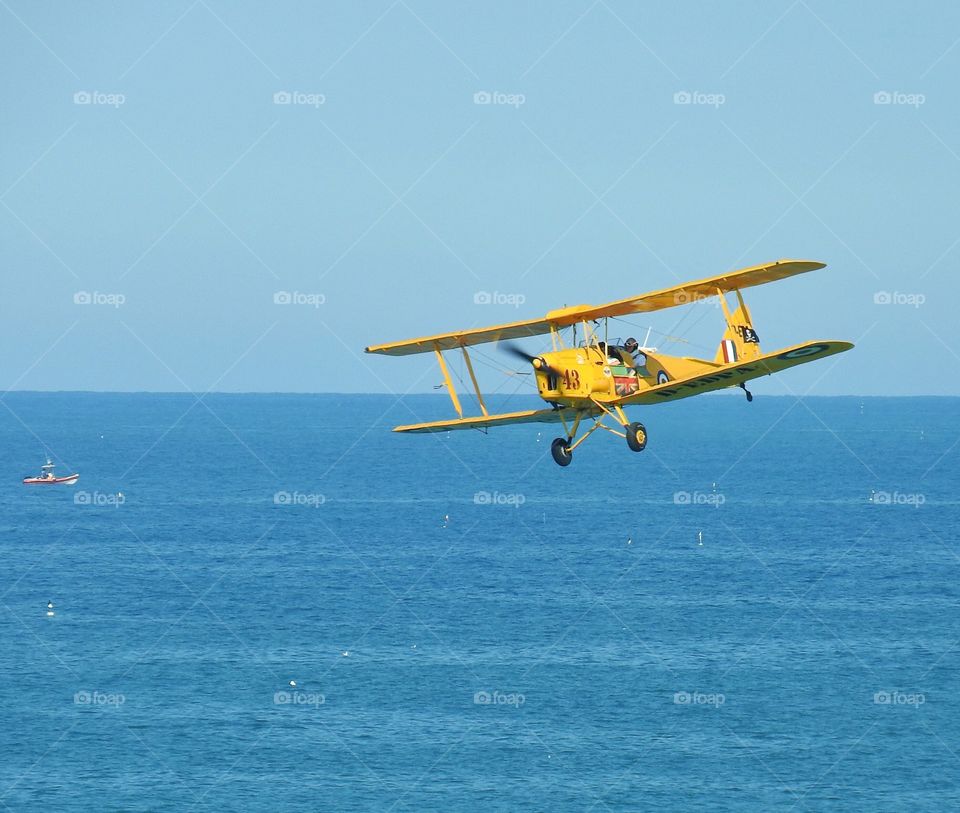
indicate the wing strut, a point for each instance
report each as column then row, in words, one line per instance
column 473, row 378
column 447, row 381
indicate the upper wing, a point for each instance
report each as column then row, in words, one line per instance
column 689, row 292
column 564, row 317
column 464, row 338
column 483, row 421
column 732, row 375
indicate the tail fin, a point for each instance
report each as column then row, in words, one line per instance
column 740, row 341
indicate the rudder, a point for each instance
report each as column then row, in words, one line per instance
column 740, row 341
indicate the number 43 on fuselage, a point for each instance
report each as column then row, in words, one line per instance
column 594, row 380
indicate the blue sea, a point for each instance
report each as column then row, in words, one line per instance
column 758, row 612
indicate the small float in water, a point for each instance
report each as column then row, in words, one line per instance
column 48, row 478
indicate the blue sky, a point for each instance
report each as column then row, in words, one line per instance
column 157, row 194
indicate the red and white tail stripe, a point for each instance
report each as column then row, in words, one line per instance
column 729, row 351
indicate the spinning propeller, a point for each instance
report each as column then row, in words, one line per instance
column 537, row 361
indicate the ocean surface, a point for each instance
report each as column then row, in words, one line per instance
column 469, row 626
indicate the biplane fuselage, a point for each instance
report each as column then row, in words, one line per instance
column 595, row 379
column 587, row 375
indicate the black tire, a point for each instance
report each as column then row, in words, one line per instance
column 636, row 436
column 560, row 450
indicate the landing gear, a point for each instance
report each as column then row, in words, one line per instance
column 636, row 436
column 749, row 394
column 560, row 449
column 635, row 433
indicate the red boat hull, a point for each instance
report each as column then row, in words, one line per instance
column 51, row 481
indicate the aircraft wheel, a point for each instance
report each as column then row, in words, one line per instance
column 560, row 450
column 636, row 436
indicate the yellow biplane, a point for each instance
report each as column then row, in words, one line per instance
column 594, row 379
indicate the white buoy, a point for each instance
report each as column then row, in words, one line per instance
column 629, row 540
column 293, row 683
column 700, row 538
column 50, row 608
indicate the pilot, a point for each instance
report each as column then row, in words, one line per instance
column 632, row 346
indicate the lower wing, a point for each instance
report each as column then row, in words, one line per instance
column 484, row 421
column 732, row 375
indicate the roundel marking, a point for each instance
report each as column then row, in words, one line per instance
column 801, row 352
column 662, row 377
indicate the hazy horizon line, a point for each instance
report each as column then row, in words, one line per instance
column 444, row 395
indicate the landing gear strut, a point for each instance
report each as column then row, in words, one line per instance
column 635, row 433
column 749, row 394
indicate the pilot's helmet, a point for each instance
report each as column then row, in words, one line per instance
column 630, row 345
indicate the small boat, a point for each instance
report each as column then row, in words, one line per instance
column 48, row 478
